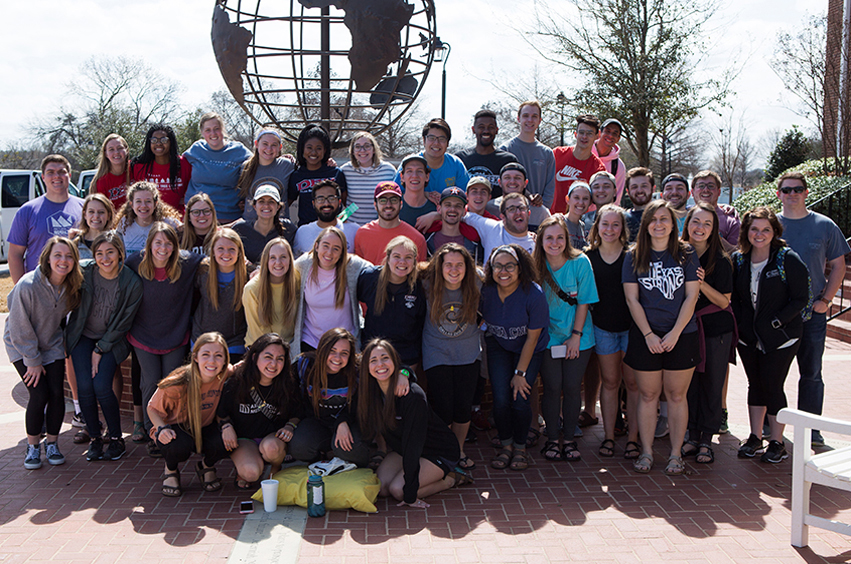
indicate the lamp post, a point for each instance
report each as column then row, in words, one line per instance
column 561, row 99
column 441, row 55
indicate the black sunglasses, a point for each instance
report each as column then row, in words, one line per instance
column 795, row 189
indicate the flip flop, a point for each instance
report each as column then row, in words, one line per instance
column 466, row 464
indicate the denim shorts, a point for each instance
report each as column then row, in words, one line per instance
column 610, row 343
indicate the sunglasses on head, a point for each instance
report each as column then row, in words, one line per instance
column 791, row 189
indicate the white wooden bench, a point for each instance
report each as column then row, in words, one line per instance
column 831, row 469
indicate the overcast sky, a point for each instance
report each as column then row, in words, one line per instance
column 44, row 42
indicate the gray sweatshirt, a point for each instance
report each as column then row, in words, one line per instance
column 36, row 310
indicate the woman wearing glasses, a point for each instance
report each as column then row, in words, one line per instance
column 363, row 172
column 200, row 222
column 517, row 316
column 162, row 164
column 268, row 225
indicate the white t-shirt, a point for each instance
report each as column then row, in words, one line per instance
column 307, row 233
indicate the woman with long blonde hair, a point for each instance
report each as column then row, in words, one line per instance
column 395, row 300
column 220, row 281
column 183, row 413
column 329, row 298
column 271, row 297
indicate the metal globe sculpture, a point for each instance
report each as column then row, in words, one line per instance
column 350, row 65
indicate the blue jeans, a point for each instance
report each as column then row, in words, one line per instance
column 512, row 416
column 97, row 390
column 811, row 385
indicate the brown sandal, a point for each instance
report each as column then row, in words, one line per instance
column 502, row 460
column 519, row 460
column 209, row 485
column 172, row 491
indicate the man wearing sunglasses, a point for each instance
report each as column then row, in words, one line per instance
column 819, row 242
column 327, row 201
column 371, row 239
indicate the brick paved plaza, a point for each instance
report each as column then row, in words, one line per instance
column 596, row 510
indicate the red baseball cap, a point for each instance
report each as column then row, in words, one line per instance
column 387, row 188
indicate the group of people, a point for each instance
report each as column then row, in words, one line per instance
column 496, row 264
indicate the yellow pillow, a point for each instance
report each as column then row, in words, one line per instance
column 355, row 489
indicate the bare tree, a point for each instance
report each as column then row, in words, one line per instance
column 404, row 136
column 112, row 95
column 635, row 59
column 733, row 150
column 800, row 62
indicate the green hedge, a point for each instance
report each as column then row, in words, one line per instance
column 819, row 185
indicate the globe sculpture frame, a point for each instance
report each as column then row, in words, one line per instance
column 287, row 68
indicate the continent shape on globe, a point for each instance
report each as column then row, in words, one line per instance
column 375, row 26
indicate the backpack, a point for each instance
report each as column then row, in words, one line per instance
column 807, row 312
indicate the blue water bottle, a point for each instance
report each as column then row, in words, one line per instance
column 315, row 496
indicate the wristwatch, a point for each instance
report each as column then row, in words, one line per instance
column 575, row 332
column 520, row 373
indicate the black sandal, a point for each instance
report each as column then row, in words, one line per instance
column 172, row 491
column 707, row 457
column 209, row 485
column 633, row 450
column 692, row 452
column 552, row 452
column 607, row 448
column 571, row 452
column 532, row 437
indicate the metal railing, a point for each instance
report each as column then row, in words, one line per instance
column 837, row 206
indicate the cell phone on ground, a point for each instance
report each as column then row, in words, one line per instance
column 559, row 351
column 246, row 507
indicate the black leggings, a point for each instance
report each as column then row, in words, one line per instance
column 767, row 374
column 451, row 390
column 48, row 392
column 182, row 447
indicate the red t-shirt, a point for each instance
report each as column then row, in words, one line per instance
column 568, row 170
column 371, row 241
column 172, row 195
column 113, row 187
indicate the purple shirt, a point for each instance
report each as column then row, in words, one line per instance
column 729, row 224
column 40, row 219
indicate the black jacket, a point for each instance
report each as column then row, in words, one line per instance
column 784, row 292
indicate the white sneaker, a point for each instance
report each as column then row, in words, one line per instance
column 54, row 457
column 661, row 427
column 33, row 458
column 78, row 421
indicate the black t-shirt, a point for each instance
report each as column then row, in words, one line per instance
column 255, row 418
column 301, row 188
column 611, row 313
column 721, row 279
column 402, row 320
column 333, row 400
column 486, row 165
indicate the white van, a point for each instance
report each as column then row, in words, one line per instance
column 84, row 181
column 17, row 187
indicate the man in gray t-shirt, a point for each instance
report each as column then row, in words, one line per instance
column 819, row 242
column 537, row 158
